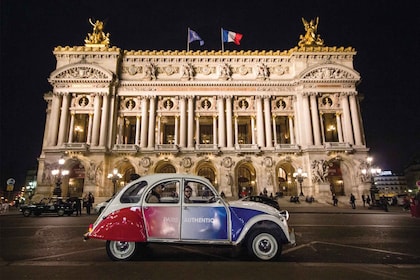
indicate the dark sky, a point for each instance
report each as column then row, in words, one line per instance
column 385, row 35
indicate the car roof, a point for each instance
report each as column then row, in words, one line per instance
column 161, row 176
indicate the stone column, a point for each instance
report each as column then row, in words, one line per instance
column 221, row 110
column 355, row 117
column 104, row 121
column 64, row 118
column 182, row 122
column 137, row 139
column 215, row 130
column 339, row 127
column 96, row 119
column 55, row 117
column 229, row 132
column 292, row 130
column 274, row 130
column 143, row 132
column 71, row 128
column 315, row 119
column 190, row 141
column 260, row 122
column 307, row 120
column 267, row 118
column 347, row 128
column 152, row 122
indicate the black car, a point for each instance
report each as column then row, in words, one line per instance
column 262, row 199
column 48, row 206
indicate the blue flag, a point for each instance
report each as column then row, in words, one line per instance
column 193, row 36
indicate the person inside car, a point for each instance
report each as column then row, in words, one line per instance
column 155, row 194
column 187, row 194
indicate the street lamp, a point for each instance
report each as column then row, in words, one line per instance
column 299, row 176
column 58, row 174
column 114, row 177
column 370, row 172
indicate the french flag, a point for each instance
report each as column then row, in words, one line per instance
column 229, row 36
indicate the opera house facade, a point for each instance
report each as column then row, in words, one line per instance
column 246, row 120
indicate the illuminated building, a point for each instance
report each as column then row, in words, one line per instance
column 246, row 120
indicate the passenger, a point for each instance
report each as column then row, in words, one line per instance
column 187, row 194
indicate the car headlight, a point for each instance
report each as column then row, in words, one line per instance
column 284, row 214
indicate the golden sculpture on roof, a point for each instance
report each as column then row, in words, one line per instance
column 98, row 36
column 311, row 38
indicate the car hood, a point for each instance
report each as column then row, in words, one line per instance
column 254, row 206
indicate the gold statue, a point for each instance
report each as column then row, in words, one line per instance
column 98, row 36
column 311, row 38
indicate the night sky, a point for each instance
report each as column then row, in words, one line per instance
column 385, row 35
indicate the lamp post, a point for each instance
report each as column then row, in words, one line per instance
column 114, row 177
column 59, row 173
column 299, row 176
column 370, row 172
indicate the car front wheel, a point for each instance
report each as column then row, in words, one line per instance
column 60, row 212
column 264, row 245
column 121, row 250
column 26, row 212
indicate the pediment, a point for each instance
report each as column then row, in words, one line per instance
column 330, row 72
column 81, row 73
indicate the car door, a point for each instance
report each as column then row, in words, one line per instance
column 161, row 210
column 203, row 216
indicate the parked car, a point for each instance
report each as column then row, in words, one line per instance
column 152, row 209
column 101, row 206
column 262, row 199
column 48, row 205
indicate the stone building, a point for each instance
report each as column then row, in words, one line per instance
column 246, row 120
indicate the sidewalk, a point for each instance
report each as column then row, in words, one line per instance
column 327, row 207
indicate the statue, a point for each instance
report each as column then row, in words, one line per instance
column 320, row 170
column 98, row 36
column 311, row 38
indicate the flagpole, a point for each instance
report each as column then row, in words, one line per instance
column 221, row 34
column 188, row 39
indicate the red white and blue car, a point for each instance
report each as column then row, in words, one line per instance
column 187, row 209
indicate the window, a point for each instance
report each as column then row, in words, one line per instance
column 132, row 194
column 200, row 193
column 166, row 192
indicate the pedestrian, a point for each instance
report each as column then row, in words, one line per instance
column 78, row 206
column 368, row 200
column 384, row 203
column 89, row 202
column 334, row 199
column 364, row 200
column 352, row 201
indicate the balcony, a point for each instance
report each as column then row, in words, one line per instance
column 77, row 146
column 126, row 148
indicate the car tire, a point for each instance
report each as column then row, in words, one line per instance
column 121, row 250
column 26, row 212
column 264, row 244
column 60, row 212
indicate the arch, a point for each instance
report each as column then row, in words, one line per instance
column 246, row 183
column 165, row 167
column 74, row 185
column 81, row 72
column 329, row 72
column 284, row 178
column 207, row 170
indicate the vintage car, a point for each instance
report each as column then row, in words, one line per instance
column 262, row 199
column 153, row 209
column 48, row 205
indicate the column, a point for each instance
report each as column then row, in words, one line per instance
column 347, row 128
column 143, row 132
column 55, row 117
column 158, row 136
column 355, row 117
column 62, row 131
column 176, row 136
column 236, row 131
column 89, row 136
column 229, row 132
column 267, row 118
column 315, row 119
column 339, row 127
column 274, row 130
column 298, row 118
column 182, row 123
column 96, row 119
column 253, row 129
column 71, row 128
column 260, row 122
column 137, row 139
column 190, row 141
column 197, row 130
column 152, row 122
column 214, row 130
column 292, row 131
column 221, row 110
column 307, row 120
column 104, row 121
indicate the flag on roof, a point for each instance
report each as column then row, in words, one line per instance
column 230, row 36
column 193, row 36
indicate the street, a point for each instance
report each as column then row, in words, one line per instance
column 340, row 245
